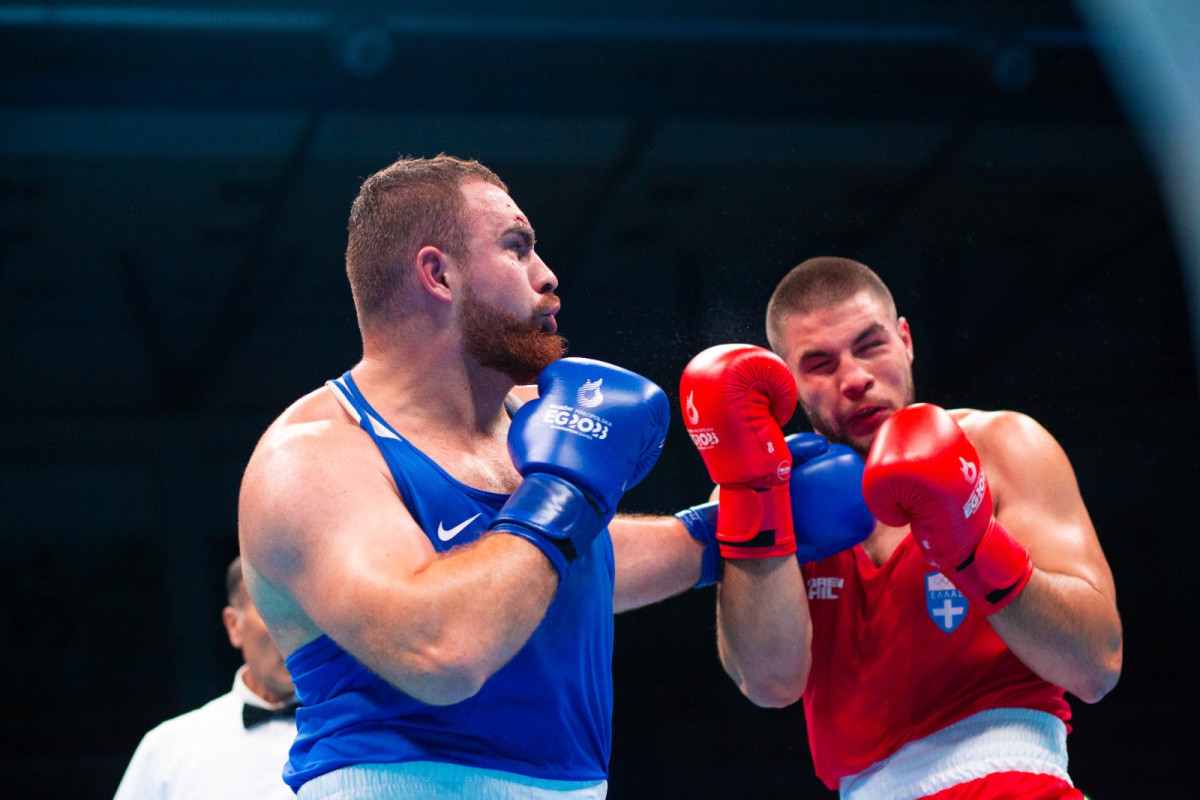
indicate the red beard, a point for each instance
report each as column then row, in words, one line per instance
column 500, row 340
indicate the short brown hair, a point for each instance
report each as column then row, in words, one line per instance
column 412, row 203
column 818, row 283
column 234, row 585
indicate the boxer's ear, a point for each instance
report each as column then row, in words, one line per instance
column 905, row 337
column 432, row 265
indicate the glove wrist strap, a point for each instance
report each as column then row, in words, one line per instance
column 755, row 523
column 996, row 573
column 701, row 523
column 553, row 514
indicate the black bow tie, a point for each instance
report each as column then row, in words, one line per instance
column 253, row 715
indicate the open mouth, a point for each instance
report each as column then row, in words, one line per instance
column 865, row 418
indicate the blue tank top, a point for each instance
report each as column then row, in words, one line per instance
column 546, row 714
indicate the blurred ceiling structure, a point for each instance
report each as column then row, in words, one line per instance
column 174, row 184
column 172, row 175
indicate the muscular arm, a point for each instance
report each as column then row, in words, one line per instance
column 330, row 548
column 763, row 627
column 655, row 558
column 764, row 631
column 1064, row 626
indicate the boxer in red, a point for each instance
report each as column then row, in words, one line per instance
column 933, row 657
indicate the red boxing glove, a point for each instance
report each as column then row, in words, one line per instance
column 735, row 397
column 922, row 470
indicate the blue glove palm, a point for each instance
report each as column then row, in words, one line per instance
column 828, row 508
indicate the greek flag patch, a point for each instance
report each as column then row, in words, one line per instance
column 947, row 606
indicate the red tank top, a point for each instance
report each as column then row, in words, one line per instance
column 897, row 655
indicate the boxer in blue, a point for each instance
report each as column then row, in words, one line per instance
column 432, row 554
column 432, row 542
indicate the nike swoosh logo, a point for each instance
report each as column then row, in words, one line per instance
column 446, row 534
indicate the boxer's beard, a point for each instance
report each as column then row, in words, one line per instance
column 500, row 340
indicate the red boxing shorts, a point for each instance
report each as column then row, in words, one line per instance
column 1011, row 786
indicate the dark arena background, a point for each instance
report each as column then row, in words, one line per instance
column 175, row 179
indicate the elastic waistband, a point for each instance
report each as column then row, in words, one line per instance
column 438, row 780
column 997, row 740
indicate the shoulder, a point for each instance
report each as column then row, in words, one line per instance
column 1003, row 432
column 184, row 754
column 1006, row 437
column 189, row 725
column 1021, row 457
column 307, row 444
column 303, row 481
column 314, row 418
column 318, row 507
column 308, row 455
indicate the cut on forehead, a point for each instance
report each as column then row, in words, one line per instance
column 494, row 200
column 819, row 283
column 491, row 212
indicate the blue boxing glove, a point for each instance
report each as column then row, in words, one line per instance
column 701, row 523
column 594, row 431
column 828, row 509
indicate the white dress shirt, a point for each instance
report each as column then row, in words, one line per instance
column 208, row 753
